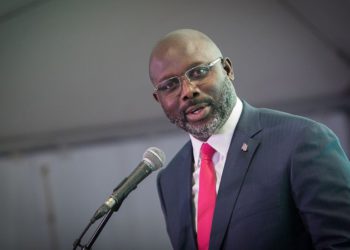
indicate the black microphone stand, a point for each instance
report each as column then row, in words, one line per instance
column 152, row 160
column 96, row 233
column 99, row 229
column 115, row 208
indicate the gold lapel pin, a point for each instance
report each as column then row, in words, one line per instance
column 244, row 147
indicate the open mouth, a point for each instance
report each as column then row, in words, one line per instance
column 198, row 112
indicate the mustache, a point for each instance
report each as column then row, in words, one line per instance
column 195, row 102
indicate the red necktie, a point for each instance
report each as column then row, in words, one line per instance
column 206, row 196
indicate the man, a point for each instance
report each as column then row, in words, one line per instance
column 271, row 180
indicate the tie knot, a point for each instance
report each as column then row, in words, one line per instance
column 207, row 151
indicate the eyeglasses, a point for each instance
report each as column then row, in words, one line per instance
column 172, row 86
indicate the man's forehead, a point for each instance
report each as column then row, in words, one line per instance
column 180, row 47
column 175, row 61
column 181, row 51
column 178, row 50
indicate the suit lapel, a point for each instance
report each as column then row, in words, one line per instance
column 241, row 152
column 187, row 230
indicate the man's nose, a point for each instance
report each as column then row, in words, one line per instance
column 188, row 89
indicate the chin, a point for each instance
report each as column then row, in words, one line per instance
column 202, row 129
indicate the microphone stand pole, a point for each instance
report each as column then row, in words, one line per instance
column 99, row 229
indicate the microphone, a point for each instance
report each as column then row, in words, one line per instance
column 153, row 159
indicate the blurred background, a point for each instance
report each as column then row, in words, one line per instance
column 77, row 113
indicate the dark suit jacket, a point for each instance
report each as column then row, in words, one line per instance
column 289, row 190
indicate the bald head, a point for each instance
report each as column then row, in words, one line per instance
column 181, row 45
column 201, row 102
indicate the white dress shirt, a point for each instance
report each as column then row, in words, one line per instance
column 220, row 141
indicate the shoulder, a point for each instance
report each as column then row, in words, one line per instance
column 279, row 120
column 284, row 130
column 178, row 161
column 274, row 118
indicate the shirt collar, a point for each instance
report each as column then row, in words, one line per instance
column 221, row 140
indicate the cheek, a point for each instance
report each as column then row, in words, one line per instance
column 215, row 85
column 223, row 81
column 169, row 106
column 214, row 90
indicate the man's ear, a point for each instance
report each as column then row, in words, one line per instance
column 155, row 96
column 227, row 64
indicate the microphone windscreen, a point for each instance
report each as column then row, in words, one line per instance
column 155, row 156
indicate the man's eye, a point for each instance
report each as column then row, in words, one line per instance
column 169, row 85
column 198, row 73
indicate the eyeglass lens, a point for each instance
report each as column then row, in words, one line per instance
column 193, row 75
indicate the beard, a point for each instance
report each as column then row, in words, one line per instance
column 221, row 110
